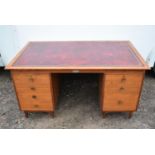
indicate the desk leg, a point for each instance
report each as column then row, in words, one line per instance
column 104, row 114
column 130, row 114
column 51, row 114
column 26, row 114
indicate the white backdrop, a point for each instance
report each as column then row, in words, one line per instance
column 15, row 37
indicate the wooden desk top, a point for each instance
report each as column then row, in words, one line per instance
column 78, row 55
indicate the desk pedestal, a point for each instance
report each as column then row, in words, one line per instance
column 37, row 91
column 120, row 91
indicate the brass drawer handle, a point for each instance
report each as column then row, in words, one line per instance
column 31, row 78
column 34, row 96
column 33, row 88
column 121, row 88
column 123, row 79
column 36, row 106
column 120, row 102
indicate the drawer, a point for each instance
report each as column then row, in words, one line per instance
column 121, row 89
column 36, row 107
column 126, row 80
column 119, row 102
column 121, row 92
column 41, row 102
column 29, row 79
column 33, row 90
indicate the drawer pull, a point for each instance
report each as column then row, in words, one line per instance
column 36, row 106
column 123, row 79
column 34, row 96
column 120, row 102
column 31, row 78
column 122, row 88
column 32, row 88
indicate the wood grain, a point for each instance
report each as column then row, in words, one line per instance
column 38, row 99
column 117, row 99
column 35, row 73
column 71, row 55
column 118, row 102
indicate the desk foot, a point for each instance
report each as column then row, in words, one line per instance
column 26, row 114
column 51, row 114
column 130, row 114
column 104, row 114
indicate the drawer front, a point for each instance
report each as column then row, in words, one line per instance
column 30, row 79
column 36, row 107
column 120, row 89
column 121, row 92
column 35, row 102
column 34, row 91
column 119, row 102
column 131, row 80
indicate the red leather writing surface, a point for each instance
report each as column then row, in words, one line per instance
column 86, row 53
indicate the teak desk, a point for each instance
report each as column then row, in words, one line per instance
column 36, row 68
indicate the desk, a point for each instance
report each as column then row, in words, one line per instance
column 35, row 73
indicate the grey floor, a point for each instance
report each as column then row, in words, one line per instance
column 77, row 106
